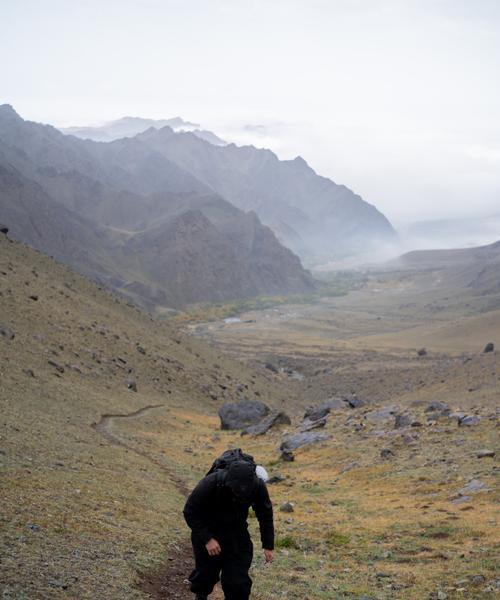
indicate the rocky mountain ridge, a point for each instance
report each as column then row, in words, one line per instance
column 110, row 210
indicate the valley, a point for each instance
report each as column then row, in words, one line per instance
column 109, row 417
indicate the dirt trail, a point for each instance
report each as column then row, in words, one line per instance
column 169, row 581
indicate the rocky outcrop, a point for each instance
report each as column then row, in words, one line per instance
column 309, row 213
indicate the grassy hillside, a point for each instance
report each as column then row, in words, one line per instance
column 91, row 500
column 80, row 513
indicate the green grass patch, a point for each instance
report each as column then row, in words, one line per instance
column 336, row 539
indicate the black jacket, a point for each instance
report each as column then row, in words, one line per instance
column 211, row 511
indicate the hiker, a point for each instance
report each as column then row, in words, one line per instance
column 217, row 512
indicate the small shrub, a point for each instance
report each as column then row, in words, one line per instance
column 337, row 539
column 287, row 541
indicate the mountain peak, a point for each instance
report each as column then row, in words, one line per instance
column 7, row 110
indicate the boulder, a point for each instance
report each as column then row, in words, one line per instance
column 405, row 420
column 296, row 440
column 384, row 414
column 287, row 456
column 313, row 413
column 308, row 425
column 276, row 417
column 238, row 415
column 4, row 229
column 490, row 347
column 355, row 402
column 286, row 507
column 422, row 352
column 473, row 487
column 437, row 406
column 485, row 453
column 469, row 421
column 271, row 367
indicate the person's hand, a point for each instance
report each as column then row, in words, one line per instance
column 213, row 547
column 269, row 555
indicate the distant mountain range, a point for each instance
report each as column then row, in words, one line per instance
column 310, row 214
column 125, row 215
column 172, row 219
column 131, row 126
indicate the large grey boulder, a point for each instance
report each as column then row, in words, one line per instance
column 238, row 415
column 296, row 440
column 276, row 417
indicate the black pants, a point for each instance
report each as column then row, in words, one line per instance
column 231, row 567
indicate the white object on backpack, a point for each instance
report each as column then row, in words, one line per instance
column 261, row 473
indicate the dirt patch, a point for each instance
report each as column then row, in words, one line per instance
column 169, row 581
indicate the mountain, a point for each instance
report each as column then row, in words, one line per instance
column 471, row 270
column 124, row 214
column 310, row 214
column 131, row 126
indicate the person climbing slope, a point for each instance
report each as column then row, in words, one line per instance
column 216, row 512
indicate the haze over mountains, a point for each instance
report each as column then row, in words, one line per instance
column 131, row 126
column 171, row 219
column 124, row 214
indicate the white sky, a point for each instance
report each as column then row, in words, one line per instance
column 398, row 99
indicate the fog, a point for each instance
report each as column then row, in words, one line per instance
column 397, row 99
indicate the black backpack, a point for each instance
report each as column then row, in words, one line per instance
column 221, row 464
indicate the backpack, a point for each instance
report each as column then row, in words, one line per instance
column 227, row 458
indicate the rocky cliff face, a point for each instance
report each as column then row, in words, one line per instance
column 309, row 213
column 125, row 214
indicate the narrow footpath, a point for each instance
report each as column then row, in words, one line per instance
column 169, row 581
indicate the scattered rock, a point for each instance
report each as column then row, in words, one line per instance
column 473, row 487
column 29, row 372
column 238, row 415
column 355, row 402
column 461, row 499
column 384, row 414
column 405, row 420
column 314, row 413
column 57, row 367
column 386, row 453
column 286, row 507
column 437, row 406
column 485, row 453
column 276, row 417
column 4, row 229
column 308, row 425
column 469, row 421
column 131, row 385
column 296, row 440
column 422, row 352
column 477, row 579
column 271, row 367
column 275, row 478
column 287, row 456
column 34, row 297
column 490, row 347
column 7, row 333
column 140, row 349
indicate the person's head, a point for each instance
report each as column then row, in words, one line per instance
column 242, row 480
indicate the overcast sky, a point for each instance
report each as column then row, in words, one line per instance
column 397, row 99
